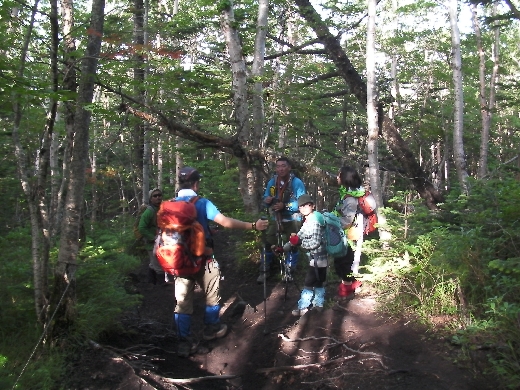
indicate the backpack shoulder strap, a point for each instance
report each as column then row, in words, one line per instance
column 321, row 218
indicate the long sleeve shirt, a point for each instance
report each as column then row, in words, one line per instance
column 148, row 226
column 312, row 239
column 290, row 197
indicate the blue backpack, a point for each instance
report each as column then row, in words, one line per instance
column 336, row 241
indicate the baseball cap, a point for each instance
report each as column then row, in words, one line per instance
column 304, row 199
column 189, row 174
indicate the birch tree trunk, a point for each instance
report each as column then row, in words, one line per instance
column 63, row 298
column 69, row 84
column 372, row 117
column 43, row 164
column 250, row 179
column 93, row 175
column 458, row 121
column 239, row 74
column 358, row 88
column 160, row 163
column 30, row 191
column 178, row 162
column 373, row 129
column 486, row 104
column 394, row 88
column 140, row 138
column 258, row 72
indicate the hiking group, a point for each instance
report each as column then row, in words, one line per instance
column 181, row 247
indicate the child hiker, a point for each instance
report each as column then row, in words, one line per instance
column 311, row 238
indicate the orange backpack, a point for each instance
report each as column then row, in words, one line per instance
column 181, row 243
column 366, row 206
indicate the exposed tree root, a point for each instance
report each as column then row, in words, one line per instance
column 199, row 379
column 304, row 366
column 365, row 355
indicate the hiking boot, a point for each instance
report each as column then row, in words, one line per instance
column 262, row 277
column 214, row 331
column 187, row 346
column 345, row 291
column 299, row 312
column 356, row 286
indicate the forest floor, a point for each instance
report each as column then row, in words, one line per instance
column 350, row 345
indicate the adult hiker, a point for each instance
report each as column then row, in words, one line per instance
column 281, row 196
column 352, row 220
column 311, row 238
column 208, row 277
column 148, row 228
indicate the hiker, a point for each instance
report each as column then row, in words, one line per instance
column 311, row 238
column 281, row 196
column 148, row 229
column 347, row 266
column 208, row 277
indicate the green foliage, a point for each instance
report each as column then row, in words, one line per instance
column 19, row 331
column 101, row 297
column 461, row 263
column 100, row 284
column 411, row 284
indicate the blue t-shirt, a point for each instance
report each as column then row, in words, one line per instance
column 206, row 210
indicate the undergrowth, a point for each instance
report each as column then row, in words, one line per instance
column 100, row 294
column 461, row 265
column 457, row 267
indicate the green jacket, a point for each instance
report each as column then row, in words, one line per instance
column 148, row 226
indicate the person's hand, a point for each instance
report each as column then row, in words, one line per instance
column 278, row 206
column 277, row 249
column 294, row 239
column 262, row 224
column 268, row 200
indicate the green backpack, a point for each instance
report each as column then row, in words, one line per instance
column 336, row 241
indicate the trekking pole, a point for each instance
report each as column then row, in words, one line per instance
column 281, row 256
column 264, row 218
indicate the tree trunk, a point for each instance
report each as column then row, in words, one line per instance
column 93, row 174
column 44, row 155
column 358, row 88
column 372, row 122
column 373, row 129
column 258, row 72
column 63, row 299
column 141, row 146
column 249, row 177
column 30, row 191
column 486, row 105
column 178, row 162
column 69, row 84
column 458, row 122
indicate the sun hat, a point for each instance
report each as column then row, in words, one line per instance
column 304, row 199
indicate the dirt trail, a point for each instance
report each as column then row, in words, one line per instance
column 347, row 346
